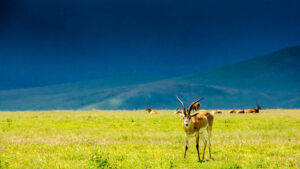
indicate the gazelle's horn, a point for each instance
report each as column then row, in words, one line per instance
column 183, row 107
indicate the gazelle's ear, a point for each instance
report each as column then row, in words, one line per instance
column 181, row 114
column 195, row 114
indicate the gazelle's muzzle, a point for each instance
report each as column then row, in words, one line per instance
column 186, row 122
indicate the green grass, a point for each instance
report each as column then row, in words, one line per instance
column 134, row 139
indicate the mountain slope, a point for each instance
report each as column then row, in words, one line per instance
column 278, row 71
column 69, row 95
column 271, row 80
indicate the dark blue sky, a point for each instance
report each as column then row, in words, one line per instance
column 52, row 41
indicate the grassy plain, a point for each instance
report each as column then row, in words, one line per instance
column 135, row 139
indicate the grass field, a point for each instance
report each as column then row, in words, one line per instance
column 134, row 139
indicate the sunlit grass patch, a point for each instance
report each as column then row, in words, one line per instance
column 135, row 139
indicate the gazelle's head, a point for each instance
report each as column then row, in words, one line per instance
column 148, row 109
column 258, row 107
column 186, row 114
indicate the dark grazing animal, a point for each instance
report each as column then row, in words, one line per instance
column 150, row 111
column 254, row 110
column 218, row 111
column 233, row 111
column 196, row 106
column 241, row 111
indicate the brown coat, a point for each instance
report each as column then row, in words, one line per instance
column 254, row 110
column 196, row 106
column 151, row 111
column 241, row 111
column 250, row 110
column 201, row 120
column 233, row 111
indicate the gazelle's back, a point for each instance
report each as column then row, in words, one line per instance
column 250, row 110
column 153, row 112
column 210, row 117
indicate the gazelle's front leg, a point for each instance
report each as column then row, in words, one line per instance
column 186, row 145
column 197, row 145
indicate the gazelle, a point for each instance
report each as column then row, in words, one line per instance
column 241, row 111
column 177, row 111
column 196, row 106
column 195, row 124
column 233, row 111
column 150, row 111
column 254, row 110
column 218, row 111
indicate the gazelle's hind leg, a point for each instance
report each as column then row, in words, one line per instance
column 209, row 144
column 187, row 145
column 197, row 145
column 204, row 142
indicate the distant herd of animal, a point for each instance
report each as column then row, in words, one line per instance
column 217, row 111
column 195, row 124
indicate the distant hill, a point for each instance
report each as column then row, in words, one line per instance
column 69, row 95
column 272, row 80
column 275, row 72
